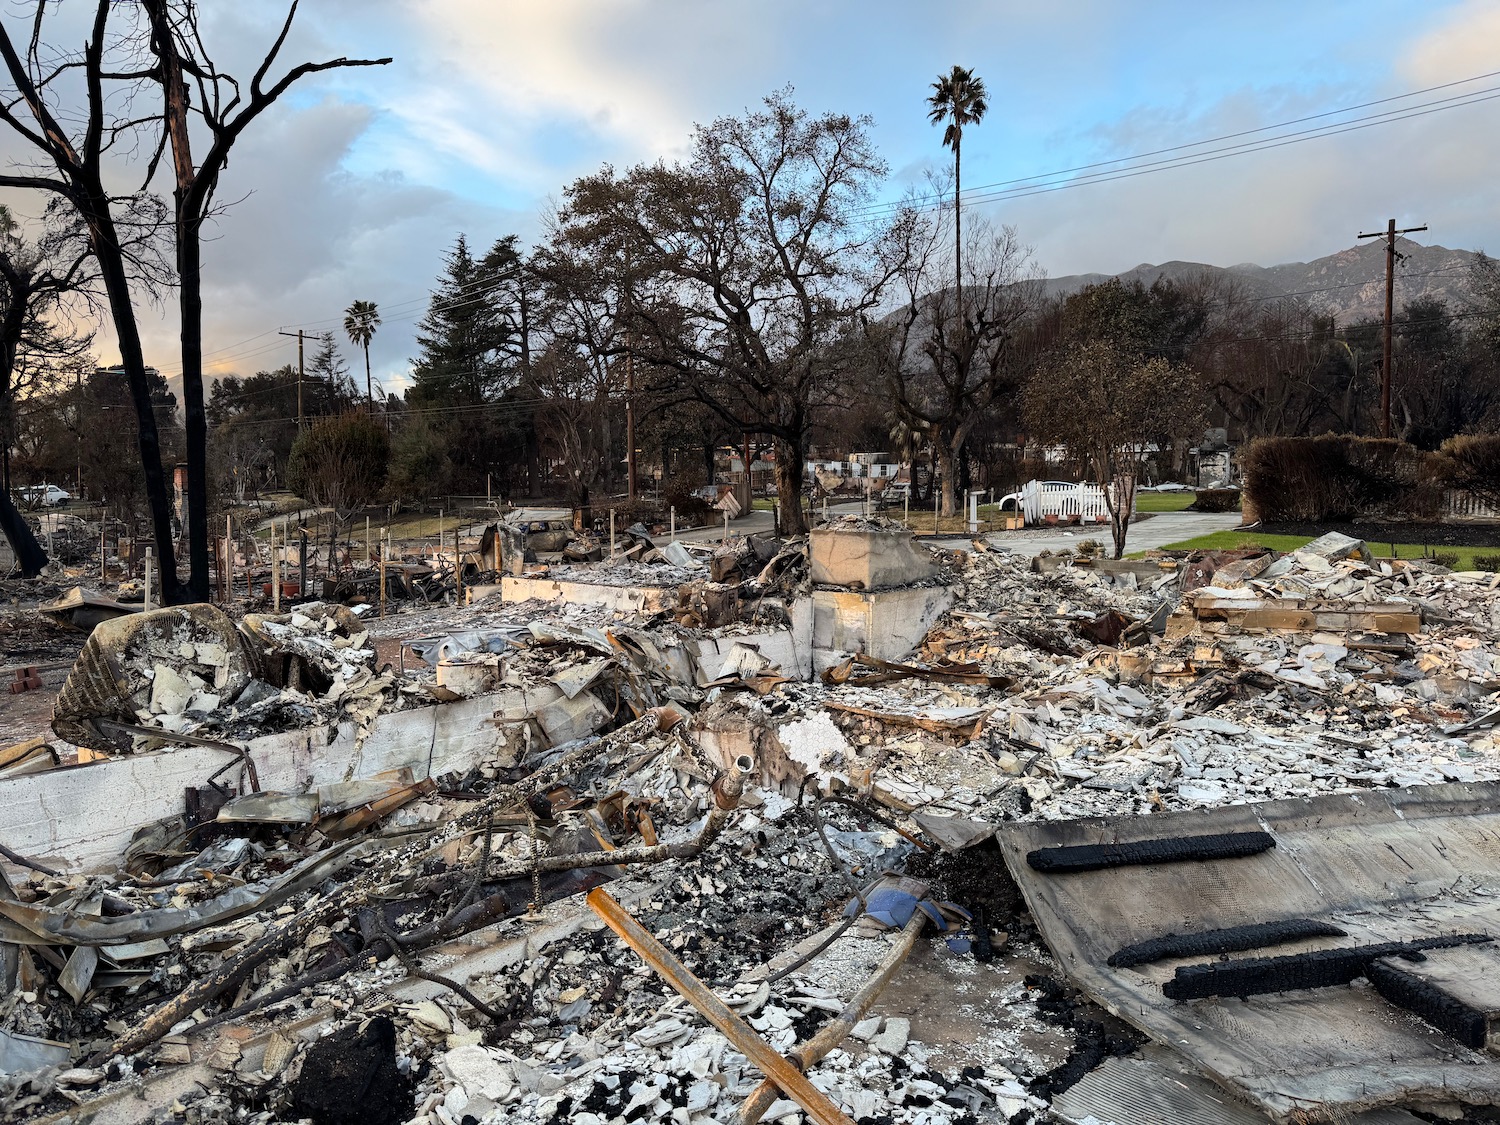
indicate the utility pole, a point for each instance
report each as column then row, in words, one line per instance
column 301, row 372
column 625, row 307
column 629, row 422
column 1389, row 234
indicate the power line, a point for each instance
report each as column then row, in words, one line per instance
column 1037, row 185
column 472, row 296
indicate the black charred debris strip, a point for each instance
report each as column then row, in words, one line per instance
column 1323, row 968
column 1230, row 939
column 1422, row 998
column 1178, row 849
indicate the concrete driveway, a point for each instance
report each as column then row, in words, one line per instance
column 1158, row 531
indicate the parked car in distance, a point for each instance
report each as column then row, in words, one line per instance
column 42, row 496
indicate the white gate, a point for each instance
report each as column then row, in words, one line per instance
column 1042, row 498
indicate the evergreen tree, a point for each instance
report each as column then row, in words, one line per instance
column 468, row 337
column 330, row 371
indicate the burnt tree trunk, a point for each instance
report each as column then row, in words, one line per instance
column 187, row 218
column 127, row 332
column 30, row 555
column 790, row 470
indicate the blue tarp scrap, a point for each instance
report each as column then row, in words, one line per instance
column 893, row 907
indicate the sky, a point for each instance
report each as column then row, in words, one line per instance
column 357, row 183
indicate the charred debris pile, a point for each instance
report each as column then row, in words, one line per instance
column 656, row 837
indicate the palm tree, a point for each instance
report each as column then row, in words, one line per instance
column 360, row 321
column 959, row 99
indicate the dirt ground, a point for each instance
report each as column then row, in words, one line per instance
column 27, row 638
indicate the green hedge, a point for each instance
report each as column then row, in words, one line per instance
column 1216, row 500
column 1340, row 478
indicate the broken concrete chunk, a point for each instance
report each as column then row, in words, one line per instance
column 170, row 693
column 1333, row 547
column 565, row 720
column 893, row 1036
column 867, row 560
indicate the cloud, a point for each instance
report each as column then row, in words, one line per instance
column 1463, row 44
column 302, row 237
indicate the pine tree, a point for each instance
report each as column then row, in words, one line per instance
column 467, row 335
column 329, row 371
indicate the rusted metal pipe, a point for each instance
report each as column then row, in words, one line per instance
column 832, row 1033
column 791, row 1080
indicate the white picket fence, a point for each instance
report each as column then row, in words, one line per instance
column 1458, row 504
column 1042, row 498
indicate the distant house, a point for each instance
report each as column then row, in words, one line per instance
column 878, row 466
column 1211, row 463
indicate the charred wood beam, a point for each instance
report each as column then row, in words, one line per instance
column 1231, row 939
column 1175, row 849
column 1325, row 968
column 1428, row 1002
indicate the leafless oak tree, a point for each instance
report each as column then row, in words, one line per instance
column 750, row 263
column 944, row 362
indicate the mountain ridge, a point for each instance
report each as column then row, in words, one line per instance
column 1348, row 284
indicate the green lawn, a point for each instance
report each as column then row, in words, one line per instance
column 1162, row 501
column 1229, row 540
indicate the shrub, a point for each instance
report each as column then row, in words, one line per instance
column 691, row 509
column 1216, row 500
column 1444, row 558
column 642, row 511
column 1487, row 562
column 1338, row 478
column 1472, row 462
column 341, row 461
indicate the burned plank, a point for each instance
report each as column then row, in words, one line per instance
column 1174, row 849
column 1324, row 968
column 1231, row 939
column 1428, row 1002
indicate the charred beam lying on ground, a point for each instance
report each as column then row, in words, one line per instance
column 1324, row 968
column 1174, row 849
column 1428, row 1002
column 1232, row 939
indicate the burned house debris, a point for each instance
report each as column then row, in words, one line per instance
column 842, row 828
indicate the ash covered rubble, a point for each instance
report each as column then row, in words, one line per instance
column 745, row 763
